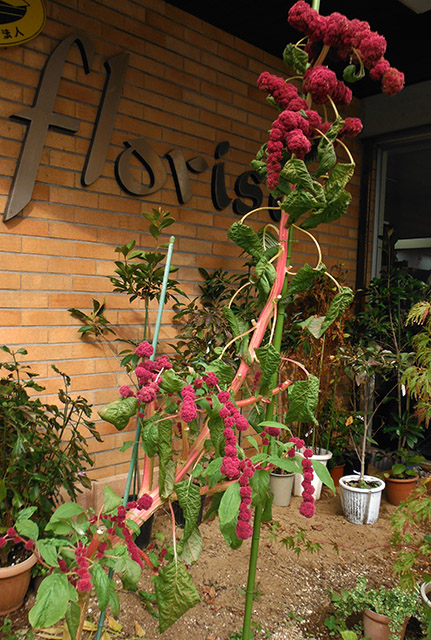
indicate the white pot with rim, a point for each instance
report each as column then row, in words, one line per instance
column 281, row 485
column 361, row 506
column 321, row 455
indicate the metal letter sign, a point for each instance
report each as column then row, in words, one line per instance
column 40, row 117
column 20, row 21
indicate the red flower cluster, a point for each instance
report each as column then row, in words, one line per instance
column 307, row 506
column 189, row 410
column 350, row 38
column 230, row 464
column 322, row 83
column 243, row 529
column 84, row 578
column 147, row 373
column 269, row 431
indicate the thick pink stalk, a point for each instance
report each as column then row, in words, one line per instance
column 261, row 325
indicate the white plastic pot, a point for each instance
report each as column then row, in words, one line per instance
column 361, row 506
column 322, row 456
column 281, row 486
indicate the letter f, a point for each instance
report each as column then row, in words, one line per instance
column 40, row 117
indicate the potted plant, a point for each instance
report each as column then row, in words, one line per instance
column 360, row 493
column 403, row 475
column 385, row 611
column 35, row 460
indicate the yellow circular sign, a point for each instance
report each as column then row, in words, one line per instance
column 20, row 21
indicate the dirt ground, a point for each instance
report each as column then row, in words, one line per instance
column 292, row 590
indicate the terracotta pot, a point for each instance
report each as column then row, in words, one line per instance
column 399, row 490
column 14, row 583
column 337, row 472
column 376, row 626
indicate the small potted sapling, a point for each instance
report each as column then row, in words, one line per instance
column 360, row 493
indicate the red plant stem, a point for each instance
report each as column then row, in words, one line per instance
column 247, row 401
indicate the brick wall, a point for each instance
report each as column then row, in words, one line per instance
column 188, row 86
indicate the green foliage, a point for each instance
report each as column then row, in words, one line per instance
column 396, row 603
column 410, row 538
column 417, row 377
column 36, row 458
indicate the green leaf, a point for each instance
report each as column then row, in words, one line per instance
column 323, row 474
column 48, row 549
column 110, row 500
column 304, row 279
column 63, row 514
column 165, row 451
column 341, row 301
column 246, row 238
column 303, row 397
column 129, row 569
column 2, row 490
column 352, row 74
column 175, row 593
column 100, row 582
column 269, row 360
column 298, row 202
column 212, row 472
column 52, row 600
column 27, row 528
column 119, row 412
column 259, row 484
column 333, row 210
column 216, row 428
column 189, row 499
column 73, row 615
column 295, row 57
column 314, row 325
column 170, row 382
column 338, row 179
column 192, row 547
column 223, row 371
column 150, row 436
column 228, row 515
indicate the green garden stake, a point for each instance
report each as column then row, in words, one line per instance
column 138, row 428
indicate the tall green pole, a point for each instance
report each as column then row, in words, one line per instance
column 269, row 414
column 138, row 427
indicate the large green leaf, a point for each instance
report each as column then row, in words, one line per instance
column 27, row 528
column 323, row 474
column 333, row 210
column 246, row 238
column 52, row 600
column 298, row 202
column 269, row 360
column 175, row 593
column 339, row 178
column 260, row 485
column 165, row 451
column 304, row 279
column 228, row 515
column 189, row 499
column 303, row 398
column 73, row 616
column 341, row 301
column 295, row 57
column 170, row 382
column 191, row 549
column 111, row 500
column 100, row 581
column 119, row 412
column 150, row 436
column 223, row 371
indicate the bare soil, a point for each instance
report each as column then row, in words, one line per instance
column 292, row 590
